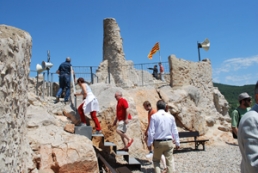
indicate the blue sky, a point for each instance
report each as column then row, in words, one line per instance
column 75, row 29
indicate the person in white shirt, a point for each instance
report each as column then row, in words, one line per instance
column 162, row 133
column 90, row 105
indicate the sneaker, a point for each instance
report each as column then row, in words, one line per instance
column 164, row 170
column 150, row 155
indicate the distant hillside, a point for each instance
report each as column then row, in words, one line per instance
column 231, row 93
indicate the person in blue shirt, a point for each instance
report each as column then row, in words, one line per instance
column 64, row 72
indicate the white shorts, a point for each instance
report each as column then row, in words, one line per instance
column 121, row 126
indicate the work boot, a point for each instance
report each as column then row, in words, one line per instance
column 57, row 100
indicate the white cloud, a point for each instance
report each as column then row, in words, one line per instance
column 237, row 78
column 237, row 71
column 236, row 64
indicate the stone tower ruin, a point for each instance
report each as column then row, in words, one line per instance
column 15, row 54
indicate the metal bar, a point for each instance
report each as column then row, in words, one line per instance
column 108, row 75
column 159, row 54
column 43, row 84
column 198, row 47
column 48, row 82
column 37, row 85
column 51, row 85
column 112, row 170
column 91, row 75
column 142, row 74
column 75, row 100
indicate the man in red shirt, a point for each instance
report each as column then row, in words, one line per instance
column 161, row 70
column 122, row 116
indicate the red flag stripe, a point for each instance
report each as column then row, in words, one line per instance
column 154, row 50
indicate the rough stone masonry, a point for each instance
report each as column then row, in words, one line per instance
column 15, row 54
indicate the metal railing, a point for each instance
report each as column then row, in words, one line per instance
column 136, row 74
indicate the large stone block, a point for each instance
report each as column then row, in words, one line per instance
column 15, row 54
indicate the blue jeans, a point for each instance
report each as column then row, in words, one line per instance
column 64, row 83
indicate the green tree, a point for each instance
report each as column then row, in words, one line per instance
column 231, row 93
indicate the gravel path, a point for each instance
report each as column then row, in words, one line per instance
column 215, row 159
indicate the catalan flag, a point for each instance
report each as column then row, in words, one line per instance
column 153, row 50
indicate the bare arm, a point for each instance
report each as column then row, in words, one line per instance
column 115, row 121
column 126, row 116
column 235, row 130
column 84, row 92
column 234, row 121
column 146, row 131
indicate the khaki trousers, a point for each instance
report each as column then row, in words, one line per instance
column 166, row 148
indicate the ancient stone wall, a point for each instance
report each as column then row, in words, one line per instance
column 198, row 102
column 15, row 54
column 184, row 72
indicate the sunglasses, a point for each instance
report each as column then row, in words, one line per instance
column 247, row 100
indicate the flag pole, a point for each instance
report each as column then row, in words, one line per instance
column 159, row 54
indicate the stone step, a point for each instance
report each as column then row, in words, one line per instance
column 130, row 160
column 109, row 144
column 84, row 130
column 121, row 153
column 135, row 163
column 98, row 135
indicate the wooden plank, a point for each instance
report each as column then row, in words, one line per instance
column 188, row 134
column 194, row 135
column 203, row 140
column 123, row 170
column 195, row 141
column 186, row 141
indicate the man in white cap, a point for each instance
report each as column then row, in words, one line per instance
column 248, row 138
column 244, row 106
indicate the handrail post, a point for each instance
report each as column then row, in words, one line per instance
column 91, row 75
column 43, row 84
column 142, row 74
column 108, row 75
column 72, row 79
column 37, row 85
column 51, row 85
